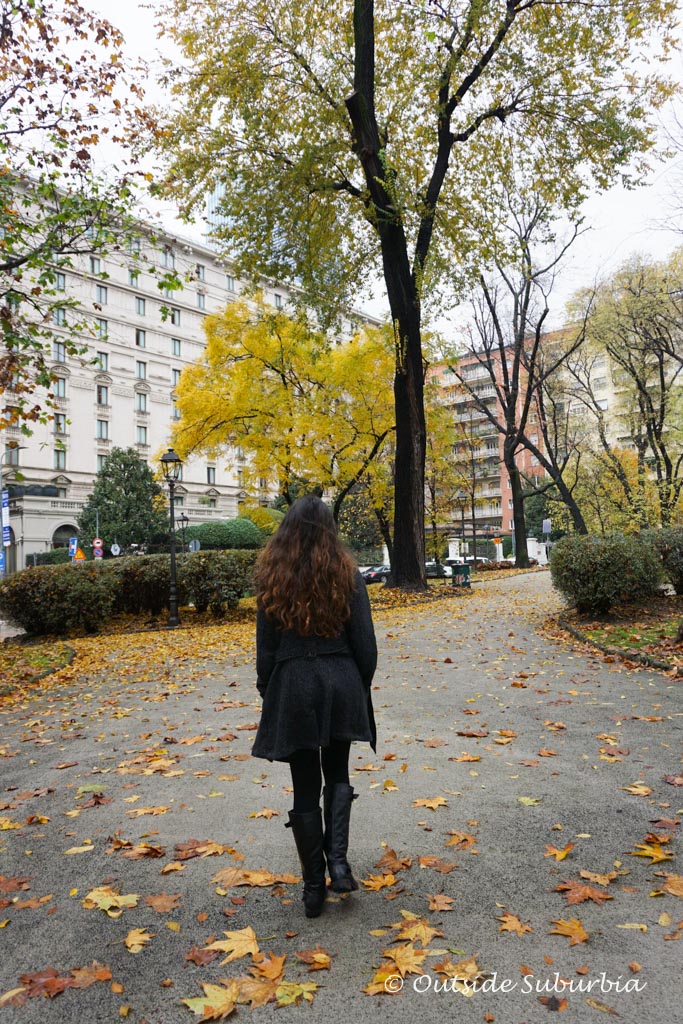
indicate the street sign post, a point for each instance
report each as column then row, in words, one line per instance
column 115, row 550
column 6, row 538
column 194, row 545
column 73, row 545
column 2, row 561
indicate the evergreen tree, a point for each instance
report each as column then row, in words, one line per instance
column 128, row 501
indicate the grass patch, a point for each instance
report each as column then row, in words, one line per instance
column 647, row 630
column 21, row 662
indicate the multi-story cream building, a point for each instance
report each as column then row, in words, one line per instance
column 121, row 394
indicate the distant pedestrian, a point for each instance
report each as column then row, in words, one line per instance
column 315, row 658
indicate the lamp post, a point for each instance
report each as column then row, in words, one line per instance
column 171, row 464
column 4, row 516
column 183, row 521
column 461, row 499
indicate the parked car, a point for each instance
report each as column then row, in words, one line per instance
column 437, row 571
column 377, row 574
column 470, row 558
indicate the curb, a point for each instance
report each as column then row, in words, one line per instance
column 644, row 659
column 7, row 691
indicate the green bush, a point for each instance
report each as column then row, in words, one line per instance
column 266, row 519
column 669, row 543
column 228, row 534
column 58, row 556
column 595, row 573
column 56, row 598
column 142, row 583
column 217, row 579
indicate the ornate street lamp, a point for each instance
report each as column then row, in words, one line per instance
column 171, row 465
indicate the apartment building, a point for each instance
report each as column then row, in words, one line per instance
column 122, row 392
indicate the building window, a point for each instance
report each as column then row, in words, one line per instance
column 175, row 316
column 140, row 306
column 600, row 382
column 602, row 403
column 178, row 500
column 61, row 492
column 101, row 294
column 141, row 370
column 200, row 272
column 168, row 259
column 230, row 282
column 95, row 265
column 59, row 458
column 278, row 300
column 103, row 361
column 141, row 435
column 103, row 430
column 60, row 423
column 210, row 502
column 134, row 246
column 60, row 282
column 175, row 412
column 201, row 300
column 140, row 338
column 102, row 394
column 175, row 346
column 59, row 317
column 102, row 326
column 101, row 459
column 175, row 378
column 133, row 278
column 59, row 351
column 11, row 455
column 59, row 387
column 140, row 401
column 211, row 474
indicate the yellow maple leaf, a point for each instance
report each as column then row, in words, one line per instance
column 418, row 931
column 317, row 959
column 432, row 803
column 217, row 1003
column 637, row 789
column 572, row 928
column 255, row 991
column 290, row 993
column 652, row 850
column 267, row 813
column 511, row 923
column 376, row 882
column 105, row 898
column 406, row 958
column 383, row 981
column 137, row 939
column 552, row 851
column 439, row 902
column 268, row 967
column 236, row 944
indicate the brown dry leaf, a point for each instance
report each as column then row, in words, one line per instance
column 376, row 882
column 637, row 789
column 143, row 850
column 136, row 939
column 201, row 956
column 392, row 862
column 200, row 848
column 673, row 780
column 256, row 991
column 439, row 902
column 553, row 1003
column 434, row 743
column 43, row 983
column 596, row 1004
column 511, row 923
column 473, row 733
column 552, row 851
column 406, row 958
column 461, row 840
column 13, row 883
column 576, row 892
column 267, row 813
column 673, row 884
column 545, row 752
column 466, row 974
column 164, row 903
column 443, row 866
column 572, row 928
column 236, row 944
column 432, row 803
column 217, row 1003
column 317, row 959
column 229, row 877
column 84, row 977
column 140, row 811
column 170, row 868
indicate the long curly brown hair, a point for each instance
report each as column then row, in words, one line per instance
column 305, row 575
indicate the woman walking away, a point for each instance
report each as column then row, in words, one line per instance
column 315, row 659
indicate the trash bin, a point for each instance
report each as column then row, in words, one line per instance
column 461, row 574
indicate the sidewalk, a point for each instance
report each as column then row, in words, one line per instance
column 509, row 743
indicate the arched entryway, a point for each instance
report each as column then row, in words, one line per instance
column 60, row 538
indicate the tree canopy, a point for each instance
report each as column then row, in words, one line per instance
column 350, row 138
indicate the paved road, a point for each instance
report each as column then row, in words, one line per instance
column 475, row 664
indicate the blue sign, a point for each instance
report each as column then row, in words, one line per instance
column 6, row 538
column 2, row 562
column 73, row 546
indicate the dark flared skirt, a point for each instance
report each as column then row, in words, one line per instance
column 310, row 701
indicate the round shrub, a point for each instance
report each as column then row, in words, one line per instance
column 53, row 599
column 595, row 573
column 230, row 533
column 669, row 544
column 217, row 579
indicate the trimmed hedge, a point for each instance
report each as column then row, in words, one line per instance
column 669, row 543
column 55, row 599
column 228, row 534
column 58, row 556
column 595, row 573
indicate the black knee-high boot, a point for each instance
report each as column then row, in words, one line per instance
column 337, row 800
column 307, row 830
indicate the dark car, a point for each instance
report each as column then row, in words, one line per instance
column 377, row 574
column 437, row 571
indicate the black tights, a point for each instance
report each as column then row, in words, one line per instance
column 306, row 765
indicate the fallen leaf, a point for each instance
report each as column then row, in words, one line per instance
column 317, row 959
column 236, row 944
column 511, row 923
column 137, row 939
column 552, row 851
column 572, row 928
column 217, row 1003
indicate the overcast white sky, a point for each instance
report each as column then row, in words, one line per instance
column 647, row 220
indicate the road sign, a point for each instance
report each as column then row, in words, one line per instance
column 97, row 553
column 2, row 561
column 194, row 545
column 73, row 544
column 79, row 556
column 6, row 537
column 115, row 550
column 97, row 543
column 546, row 526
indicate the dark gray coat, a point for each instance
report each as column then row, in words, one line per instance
column 315, row 688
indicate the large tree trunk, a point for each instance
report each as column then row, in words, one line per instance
column 408, row 568
column 573, row 508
